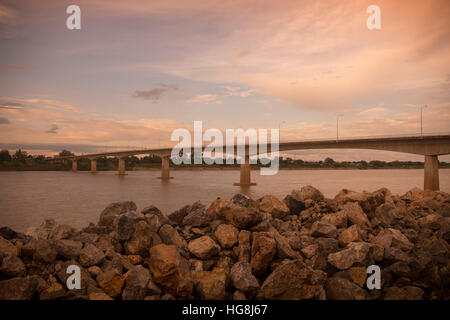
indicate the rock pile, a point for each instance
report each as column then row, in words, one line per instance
column 304, row 247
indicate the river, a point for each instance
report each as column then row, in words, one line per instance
column 27, row 198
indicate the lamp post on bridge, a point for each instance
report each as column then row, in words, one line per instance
column 279, row 129
column 337, row 125
column 421, row 121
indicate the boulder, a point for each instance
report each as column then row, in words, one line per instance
column 310, row 251
column 295, row 205
column 338, row 219
column 308, row 193
column 399, row 240
column 243, row 217
column 113, row 210
column 210, row 285
column 111, row 282
column 53, row 292
column 264, row 249
column 197, row 217
column 219, row 208
column 405, row 293
column 355, row 252
column 178, row 216
column 242, row 277
column 90, row 255
column 343, row 289
column 293, row 280
column 68, row 249
column 12, row 266
column 19, row 288
column 40, row 250
column 169, row 235
column 142, row 240
column 273, row 206
column 323, row 229
column 7, row 248
column 170, row 270
column 124, row 227
column 136, row 282
column 203, row 247
column 387, row 214
column 351, row 234
column 226, row 235
column 242, row 200
column 356, row 215
column 99, row 296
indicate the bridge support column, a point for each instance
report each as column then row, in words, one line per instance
column 93, row 165
column 431, row 178
column 165, row 169
column 121, row 167
column 74, row 165
column 245, row 174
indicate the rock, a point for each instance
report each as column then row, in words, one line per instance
column 219, row 208
column 323, row 229
column 203, row 247
column 242, row 277
column 293, row 280
column 50, row 230
column 273, row 206
column 264, row 249
column 197, row 217
column 387, row 214
column 53, row 292
column 433, row 221
column 62, row 275
column 99, row 296
column 210, row 285
column 358, row 275
column 124, row 226
column 295, row 205
column 19, row 288
column 399, row 240
column 111, row 282
column 308, row 193
column 405, row 293
column 94, row 271
column 169, row 235
column 9, row 234
column 226, row 235
column 169, row 270
column 68, row 249
column 238, row 295
column 343, row 289
column 12, row 266
column 142, row 240
column 284, row 249
column 40, row 250
column 351, row 234
column 338, row 219
column 310, row 251
column 353, row 253
column 90, row 255
column 113, row 210
column 242, row 217
column 7, row 248
column 242, row 200
column 136, row 282
column 356, row 215
column 178, row 216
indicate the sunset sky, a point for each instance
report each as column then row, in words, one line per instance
column 139, row 69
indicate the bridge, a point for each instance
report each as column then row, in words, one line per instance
column 430, row 146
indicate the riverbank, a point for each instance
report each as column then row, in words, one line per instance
column 302, row 247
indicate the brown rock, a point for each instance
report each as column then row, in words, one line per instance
column 263, row 252
column 7, row 248
column 111, row 282
column 203, row 247
column 142, row 240
column 12, row 266
column 351, row 234
column 354, row 252
column 323, row 229
column 18, row 288
column 343, row 289
column 136, row 282
column 210, row 285
column 356, row 215
column 90, row 255
column 308, row 193
column 227, row 235
column 99, row 296
column 273, row 206
column 293, row 280
column 338, row 219
column 242, row 277
column 113, row 210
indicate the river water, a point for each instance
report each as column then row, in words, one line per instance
column 27, row 198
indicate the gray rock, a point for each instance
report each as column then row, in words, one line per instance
column 113, row 210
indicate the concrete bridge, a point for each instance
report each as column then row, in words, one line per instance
column 430, row 146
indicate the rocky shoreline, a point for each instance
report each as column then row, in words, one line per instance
column 303, row 247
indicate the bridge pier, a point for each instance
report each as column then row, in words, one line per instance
column 121, row 167
column 245, row 174
column 431, row 174
column 165, row 169
column 93, row 165
column 74, row 165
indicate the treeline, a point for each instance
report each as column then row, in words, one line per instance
column 22, row 161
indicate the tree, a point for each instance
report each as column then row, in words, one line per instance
column 5, row 156
column 65, row 153
column 20, row 156
column 329, row 161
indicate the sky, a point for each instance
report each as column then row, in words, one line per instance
column 137, row 70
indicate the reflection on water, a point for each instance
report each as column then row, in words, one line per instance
column 27, row 198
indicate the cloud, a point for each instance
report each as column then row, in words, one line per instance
column 4, row 120
column 10, row 105
column 155, row 94
column 53, row 129
column 206, row 99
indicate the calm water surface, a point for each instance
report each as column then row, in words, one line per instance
column 27, row 198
